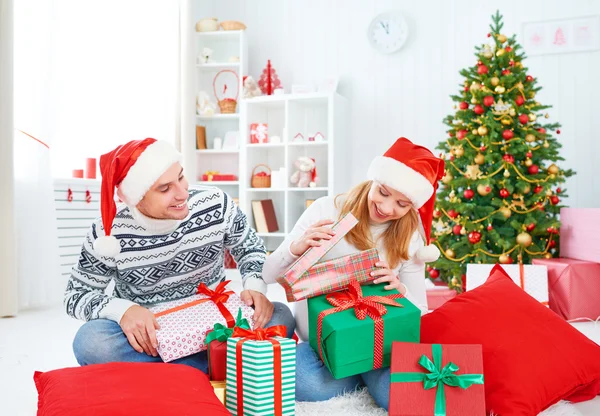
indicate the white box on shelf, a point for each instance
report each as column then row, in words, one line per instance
column 535, row 279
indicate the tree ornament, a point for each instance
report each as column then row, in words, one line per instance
column 437, row 214
column 500, row 89
column 523, row 119
column 538, row 189
column 533, row 170
column 511, row 62
column 478, row 109
column 528, row 162
column 473, row 100
column 558, row 190
column 434, row 273
column 554, row 200
column 508, row 49
column 504, row 193
column 479, row 159
column 548, row 255
column 541, row 130
column 512, row 112
column 447, row 177
column 529, row 78
column 475, row 87
column 506, row 212
column 452, row 214
column 506, row 173
column 500, row 52
column 547, row 115
column 529, row 154
column 490, row 227
column 524, row 239
column 468, row 193
column 530, row 138
column 461, row 134
column 520, row 101
column 475, row 132
column 482, row 69
column 482, row 147
column 530, row 227
column 553, row 169
column 483, row 190
column 506, row 72
column 552, row 244
column 505, row 259
column 546, row 144
column 508, row 158
column 269, row 81
column 463, row 231
column 495, row 81
column 532, row 117
column 552, row 230
column 457, row 229
column 527, row 189
column 482, row 130
column 501, row 38
column 450, row 253
column 506, row 121
column 488, row 100
column 459, row 151
column 548, row 192
column 463, row 105
column 557, row 131
column 507, row 134
column 474, row 237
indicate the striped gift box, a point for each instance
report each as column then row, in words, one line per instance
column 258, row 377
column 333, row 275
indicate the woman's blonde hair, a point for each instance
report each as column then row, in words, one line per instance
column 396, row 238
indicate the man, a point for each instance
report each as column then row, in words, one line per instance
column 157, row 247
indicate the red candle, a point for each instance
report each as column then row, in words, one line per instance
column 90, row 168
column 78, row 173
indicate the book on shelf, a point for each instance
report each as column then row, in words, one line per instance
column 265, row 219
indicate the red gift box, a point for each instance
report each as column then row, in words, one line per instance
column 427, row 379
column 579, row 228
column 437, row 297
column 218, row 177
column 217, row 360
column 259, row 133
column 573, row 287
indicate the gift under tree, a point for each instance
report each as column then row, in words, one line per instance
column 500, row 195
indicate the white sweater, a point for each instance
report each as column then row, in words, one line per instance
column 411, row 272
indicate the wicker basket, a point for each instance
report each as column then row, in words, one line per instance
column 227, row 105
column 261, row 181
column 232, row 25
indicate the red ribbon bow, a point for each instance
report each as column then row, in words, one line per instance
column 260, row 334
column 219, row 296
column 372, row 306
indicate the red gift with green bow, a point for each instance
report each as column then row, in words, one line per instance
column 441, row 380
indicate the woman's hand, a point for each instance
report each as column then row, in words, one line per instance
column 312, row 237
column 385, row 275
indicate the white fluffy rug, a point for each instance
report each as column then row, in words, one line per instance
column 361, row 404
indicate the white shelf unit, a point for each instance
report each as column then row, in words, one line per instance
column 287, row 115
column 225, row 44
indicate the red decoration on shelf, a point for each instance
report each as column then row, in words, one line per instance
column 504, row 193
column 520, row 101
column 269, row 81
column 88, row 196
column 488, row 100
column 507, row 134
column 69, row 195
column 474, row 237
column 463, row 105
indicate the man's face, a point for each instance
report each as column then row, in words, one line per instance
column 167, row 198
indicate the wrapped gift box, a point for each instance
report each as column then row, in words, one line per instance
column 438, row 296
column 261, row 373
column 579, row 230
column 574, row 287
column 534, row 282
column 259, row 133
column 418, row 377
column 352, row 331
column 184, row 323
column 217, row 347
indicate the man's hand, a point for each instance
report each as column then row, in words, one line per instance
column 139, row 326
column 263, row 308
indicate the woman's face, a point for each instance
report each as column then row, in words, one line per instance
column 386, row 204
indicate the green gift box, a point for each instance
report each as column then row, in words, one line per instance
column 353, row 330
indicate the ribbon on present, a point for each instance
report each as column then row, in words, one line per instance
column 260, row 334
column 218, row 296
column 372, row 306
column 221, row 332
column 522, row 275
column 438, row 377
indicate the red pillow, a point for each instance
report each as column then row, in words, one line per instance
column 130, row 389
column 531, row 357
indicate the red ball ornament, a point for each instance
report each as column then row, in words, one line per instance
column 554, row 200
column 520, row 101
column 461, row 134
column 434, row 273
column 523, row 119
column 552, row 230
column 482, row 148
column 429, row 268
column 557, row 131
column 482, row 69
column 511, row 63
column 457, row 229
column 552, row 244
column 509, row 260
column 506, row 72
column 542, row 130
column 478, row 110
column 508, row 49
column 463, row 105
column 528, row 78
column 451, row 133
column 490, row 227
column 466, row 89
column 538, row 189
column 533, row 169
column 468, row 193
column 474, row 237
column 528, row 154
column 504, row 193
column 507, row 134
column 489, row 34
column 558, row 190
column 488, row 100
column 452, row 213
column 530, row 227
column 452, row 157
column 508, row 158
column 540, row 206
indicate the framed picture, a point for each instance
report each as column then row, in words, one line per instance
column 561, row 36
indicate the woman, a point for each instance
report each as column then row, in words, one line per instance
column 394, row 209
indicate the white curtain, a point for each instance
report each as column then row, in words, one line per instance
column 8, row 264
column 186, row 110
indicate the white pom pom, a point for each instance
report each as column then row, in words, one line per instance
column 107, row 246
column 428, row 253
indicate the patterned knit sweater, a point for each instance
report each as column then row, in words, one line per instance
column 157, row 265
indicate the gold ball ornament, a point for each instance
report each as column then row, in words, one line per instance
column 506, row 173
column 501, row 38
column 528, row 162
column 479, row 159
column 527, row 189
column 500, row 89
column 454, row 281
column 524, row 239
column 548, row 255
column 519, row 86
column 512, row 112
column 475, row 132
column 475, row 86
column 447, row 178
column 463, row 231
column 506, row 121
column 504, row 259
column 553, row 169
column 500, row 52
column 532, row 94
column 488, row 54
column 506, row 212
column 546, row 144
column 532, row 117
column 473, row 100
column 459, row 152
column 483, row 190
column 482, row 130
column 494, row 81
column 530, row 138
column 450, row 253
column 547, row 115
column 519, row 64
column 548, row 192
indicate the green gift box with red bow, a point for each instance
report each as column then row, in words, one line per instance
column 353, row 330
column 438, row 380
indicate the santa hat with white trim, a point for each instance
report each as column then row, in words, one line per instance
column 133, row 168
column 414, row 171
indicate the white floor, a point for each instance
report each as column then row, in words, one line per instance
column 41, row 340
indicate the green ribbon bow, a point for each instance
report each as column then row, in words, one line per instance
column 438, row 377
column 221, row 333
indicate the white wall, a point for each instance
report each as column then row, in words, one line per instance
column 407, row 94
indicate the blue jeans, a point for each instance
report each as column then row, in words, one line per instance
column 103, row 341
column 315, row 383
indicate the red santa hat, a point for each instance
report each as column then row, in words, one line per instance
column 414, row 171
column 133, row 168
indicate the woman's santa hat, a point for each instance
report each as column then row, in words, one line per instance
column 414, row 171
column 133, row 168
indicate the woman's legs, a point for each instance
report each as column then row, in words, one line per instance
column 378, row 383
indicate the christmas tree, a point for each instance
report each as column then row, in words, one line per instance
column 500, row 197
